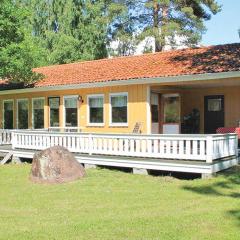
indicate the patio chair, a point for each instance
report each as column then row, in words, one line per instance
column 137, row 128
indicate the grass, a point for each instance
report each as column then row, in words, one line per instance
column 116, row 205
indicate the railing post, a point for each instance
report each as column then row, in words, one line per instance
column 209, row 145
column 9, row 137
column 13, row 141
column 90, row 144
column 236, row 145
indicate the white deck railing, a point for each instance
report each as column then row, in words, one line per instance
column 185, row 147
column 5, row 136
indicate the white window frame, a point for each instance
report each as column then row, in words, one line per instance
column 34, row 99
column 3, row 111
column 19, row 100
column 111, row 124
column 64, row 109
column 88, row 111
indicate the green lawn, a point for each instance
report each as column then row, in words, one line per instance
column 111, row 204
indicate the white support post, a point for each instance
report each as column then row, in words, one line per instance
column 140, row 171
column 209, row 145
column 89, row 166
column 90, row 144
column 13, row 141
column 236, row 145
column 148, row 103
column 207, row 175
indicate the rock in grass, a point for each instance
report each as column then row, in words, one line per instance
column 55, row 165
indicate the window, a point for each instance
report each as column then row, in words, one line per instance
column 171, row 109
column 71, row 111
column 22, row 113
column 95, row 113
column 38, row 113
column 215, row 105
column 154, row 107
column 119, row 115
column 8, row 114
column 54, row 103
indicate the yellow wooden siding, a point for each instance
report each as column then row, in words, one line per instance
column 194, row 98
column 137, row 106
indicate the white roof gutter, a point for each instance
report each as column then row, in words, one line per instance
column 154, row 80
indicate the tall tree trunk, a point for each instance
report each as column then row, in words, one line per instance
column 156, row 27
column 160, row 25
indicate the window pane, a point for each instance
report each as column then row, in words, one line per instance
column 96, row 109
column 171, row 110
column 54, row 103
column 96, row 115
column 154, row 110
column 71, row 112
column 23, row 114
column 119, row 109
column 96, row 102
column 214, row 105
column 70, row 102
column 119, row 101
column 38, row 113
column 71, row 117
column 8, row 115
column 54, row 117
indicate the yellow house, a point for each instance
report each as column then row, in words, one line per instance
column 100, row 104
column 182, row 91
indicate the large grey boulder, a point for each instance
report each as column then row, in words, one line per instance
column 55, row 165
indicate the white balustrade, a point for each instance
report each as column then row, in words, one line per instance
column 180, row 146
column 5, row 136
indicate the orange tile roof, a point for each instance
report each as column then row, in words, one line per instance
column 213, row 59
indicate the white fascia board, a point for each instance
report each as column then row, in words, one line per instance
column 153, row 80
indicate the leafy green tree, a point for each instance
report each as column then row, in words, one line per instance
column 61, row 48
column 70, row 30
column 18, row 54
column 122, row 28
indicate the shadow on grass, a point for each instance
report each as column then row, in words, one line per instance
column 228, row 187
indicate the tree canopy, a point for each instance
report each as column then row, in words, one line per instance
column 166, row 21
column 18, row 53
column 36, row 33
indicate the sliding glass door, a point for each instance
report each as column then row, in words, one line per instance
column 8, row 114
column 22, row 113
column 155, row 112
column 54, row 104
column 38, row 113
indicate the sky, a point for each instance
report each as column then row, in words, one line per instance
column 223, row 27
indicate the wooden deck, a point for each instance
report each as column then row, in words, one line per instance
column 204, row 154
column 139, row 165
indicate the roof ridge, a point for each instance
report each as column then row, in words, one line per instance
column 138, row 56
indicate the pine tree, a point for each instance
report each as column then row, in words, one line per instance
column 69, row 30
column 169, row 20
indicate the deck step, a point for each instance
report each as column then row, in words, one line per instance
column 6, row 158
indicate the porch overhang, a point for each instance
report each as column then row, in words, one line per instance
column 171, row 80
